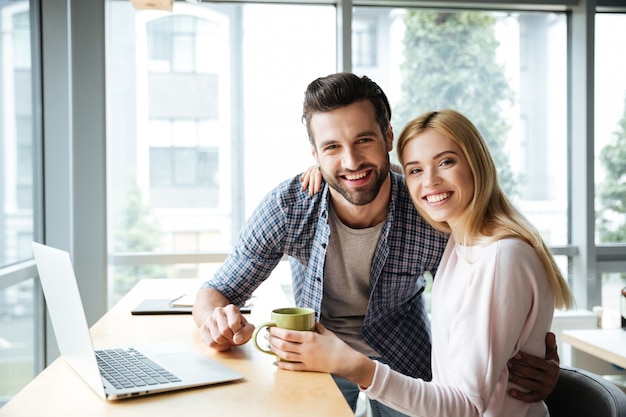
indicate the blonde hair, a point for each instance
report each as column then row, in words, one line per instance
column 490, row 215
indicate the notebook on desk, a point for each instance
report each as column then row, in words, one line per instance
column 179, row 305
column 156, row 306
column 159, row 367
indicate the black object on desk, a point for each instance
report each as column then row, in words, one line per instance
column 160, row 306
column 155, row 306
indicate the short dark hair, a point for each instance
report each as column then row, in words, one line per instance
column 341, row 89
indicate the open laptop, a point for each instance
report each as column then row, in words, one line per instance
column 167, row 367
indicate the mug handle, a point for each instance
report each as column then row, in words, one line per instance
column 256, row 333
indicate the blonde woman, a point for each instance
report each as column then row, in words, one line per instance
column 494, row 293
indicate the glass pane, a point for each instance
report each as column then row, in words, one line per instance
column 505, row 71
column 17, row 338
column 610, row 152
column 225, row 83
column 16, row 133
column 18, row 324
column 184, row 166
column 610, row 128
column 612, row 284
column 161, row 170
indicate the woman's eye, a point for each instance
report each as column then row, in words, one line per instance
column 447, row 162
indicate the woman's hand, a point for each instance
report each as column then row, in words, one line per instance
column 320, row 351
column 312, row 179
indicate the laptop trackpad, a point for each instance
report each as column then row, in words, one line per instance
column 182, row 360
column 192, row 365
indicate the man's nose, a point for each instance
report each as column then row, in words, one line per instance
column 351, row 159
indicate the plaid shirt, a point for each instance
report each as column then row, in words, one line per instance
column 289, row 221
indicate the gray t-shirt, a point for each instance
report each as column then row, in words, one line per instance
column 347, row 281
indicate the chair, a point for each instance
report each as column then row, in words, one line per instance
column 580, row 393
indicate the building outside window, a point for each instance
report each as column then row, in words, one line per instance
column 364, row 47
column 210, row 124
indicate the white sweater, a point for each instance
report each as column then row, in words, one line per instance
column 488, row 303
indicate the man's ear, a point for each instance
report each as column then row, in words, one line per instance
column 389, row 139
column 314, row 154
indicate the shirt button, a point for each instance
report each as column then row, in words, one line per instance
column 324, row 245
column 318, row 279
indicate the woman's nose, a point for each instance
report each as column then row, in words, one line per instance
column 431, row 177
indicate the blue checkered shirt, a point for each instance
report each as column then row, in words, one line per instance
column 289, row 221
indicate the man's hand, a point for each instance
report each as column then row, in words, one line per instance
column 221, row 323
column 225, row 327
column 538, row 375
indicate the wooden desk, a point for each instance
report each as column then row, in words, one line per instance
column 264, row 391
column 606, row 344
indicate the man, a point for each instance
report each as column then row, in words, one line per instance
column 358, row 249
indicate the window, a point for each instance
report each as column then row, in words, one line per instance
column 213, row 121
column 610, row 161
column 17, row 338
column 207, row 137
column 178, row 43
column 183, row 154
column 20, row 36
column 178, row 166
column 209, row 101
column 610, row 128
column 19, row 325
column 504, row 70
column 16, row 136
column 364, row 48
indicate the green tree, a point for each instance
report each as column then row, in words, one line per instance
column 138, row 231
column 450, row 62
column 611, row 192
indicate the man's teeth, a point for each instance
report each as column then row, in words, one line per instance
column 437, row 198
column 356, row 176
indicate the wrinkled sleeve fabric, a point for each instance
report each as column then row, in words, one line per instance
column 488, row 304
column 261, row 243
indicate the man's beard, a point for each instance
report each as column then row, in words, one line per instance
column 362, row 195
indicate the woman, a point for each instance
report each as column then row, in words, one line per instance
column 494, row 293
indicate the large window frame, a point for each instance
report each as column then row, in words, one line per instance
column 585, row 260
column 70, row 127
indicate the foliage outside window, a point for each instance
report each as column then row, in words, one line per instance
column 610, row 146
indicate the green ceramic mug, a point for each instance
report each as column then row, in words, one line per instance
column 292, row 318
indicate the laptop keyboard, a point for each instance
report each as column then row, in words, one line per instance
column 127, row 368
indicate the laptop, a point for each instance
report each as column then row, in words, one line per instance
column 148, row 369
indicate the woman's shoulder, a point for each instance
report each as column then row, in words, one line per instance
column 516, row 253
column 513, row 244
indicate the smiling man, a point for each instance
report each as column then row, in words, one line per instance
column 358, row 249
